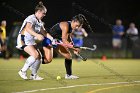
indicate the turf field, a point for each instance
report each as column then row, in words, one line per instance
column 96, row 76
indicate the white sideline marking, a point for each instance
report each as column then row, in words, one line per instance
column 9, row 69
column 84, row 85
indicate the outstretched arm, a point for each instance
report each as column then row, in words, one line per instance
column 45, row 33
column 30, row 30
column 84, row 32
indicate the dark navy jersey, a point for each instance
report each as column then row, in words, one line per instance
column 56, row 31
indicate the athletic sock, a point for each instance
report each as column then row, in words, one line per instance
column 30, row 60
column 35, row 67
column 68, row 65
column 42, row 60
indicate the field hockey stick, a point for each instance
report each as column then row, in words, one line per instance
column 83, row 58
column 72, row 46
column 86, row 22
column 87, row 48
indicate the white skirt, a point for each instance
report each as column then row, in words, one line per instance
column 24, row 40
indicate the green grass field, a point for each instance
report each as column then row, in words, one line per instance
column 96, row 76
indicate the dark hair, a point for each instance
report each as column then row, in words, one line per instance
column 79, row 18
column 83, row 21
column 40, row 7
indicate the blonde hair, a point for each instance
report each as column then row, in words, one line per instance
column 40, row 7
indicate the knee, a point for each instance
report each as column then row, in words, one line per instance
column 68, row 56
column 47, row 61
column 36, row 55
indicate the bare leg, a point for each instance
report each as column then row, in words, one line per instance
column 30, row 60
column 68, row 58
column 48, row 52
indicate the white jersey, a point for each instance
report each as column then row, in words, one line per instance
column 132, row 31
column 25, row 38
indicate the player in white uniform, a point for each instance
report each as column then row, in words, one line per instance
column 32, row 28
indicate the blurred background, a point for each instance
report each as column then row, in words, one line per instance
column 101, row 15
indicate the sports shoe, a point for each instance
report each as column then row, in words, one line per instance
column 71, row 77
column 22, row 74
column 36, row 77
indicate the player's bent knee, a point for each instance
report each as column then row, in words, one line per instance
column 68, row 57
column 47, row 61
column 36, row 55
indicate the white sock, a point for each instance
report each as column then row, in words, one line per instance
column 35, row 67
column 30, row 60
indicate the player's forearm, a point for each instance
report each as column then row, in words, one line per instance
column 46, row 34
column 65, row 38
column 121, row 33
column 85, row 34
column 65, row 41
column 30, row 31
column 49, row 36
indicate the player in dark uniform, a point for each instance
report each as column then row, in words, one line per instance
column 62, row 32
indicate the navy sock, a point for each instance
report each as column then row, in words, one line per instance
column 68, row 66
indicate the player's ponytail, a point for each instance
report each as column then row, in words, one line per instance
column 40, row 3
column 40, row 7
column 82, row 20
column 86, row 22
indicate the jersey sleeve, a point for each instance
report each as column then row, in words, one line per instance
column 31, row 20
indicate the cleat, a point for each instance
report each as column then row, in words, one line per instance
column 71, row 77
column 22, row 74
column 36, row 77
